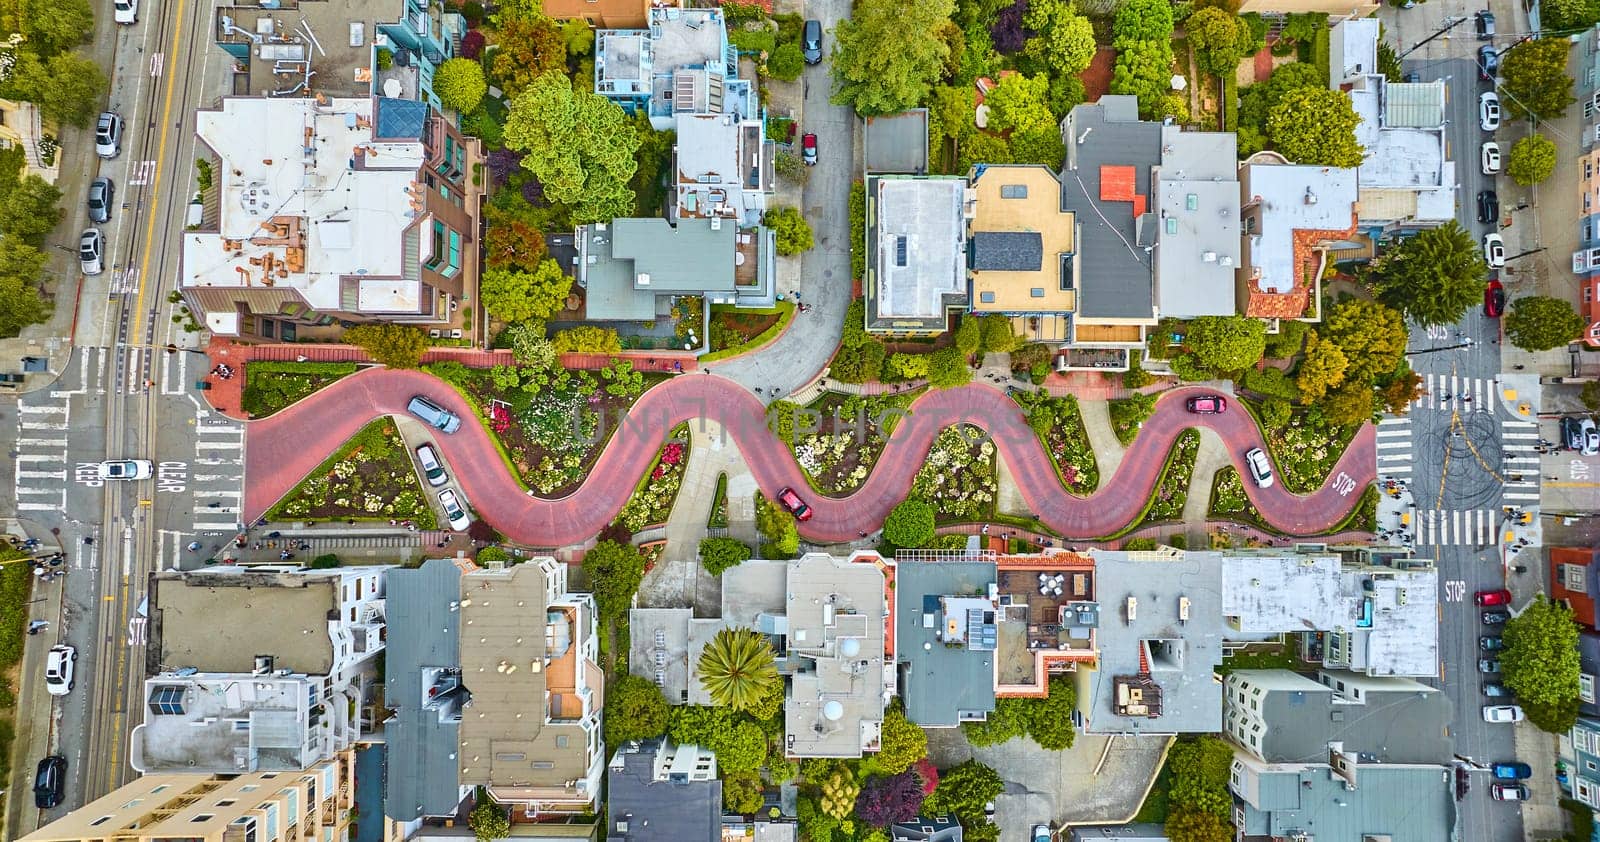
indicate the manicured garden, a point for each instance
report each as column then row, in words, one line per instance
column 1172, row 492
column 16, row 580
column 271, row 386
column 734, row 331
column 958, row 475
column 657, row 490
column 1229, row 502
column 1129, row 414
column 370, row 478
column 1059, row 424
column 550, row 423
column 1305, row 449
column 851, row 432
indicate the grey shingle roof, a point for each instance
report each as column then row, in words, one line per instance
column 644, row 810
column 1014, row 251
column 420, row 777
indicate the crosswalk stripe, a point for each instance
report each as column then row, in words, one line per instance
column 37, row 507
column 1391, row 445
column 1518, row 423
column 42, row 410
column 61, row 475
column 1528, row 436
column 61, row 442
column 218, row 445
column 41, row 457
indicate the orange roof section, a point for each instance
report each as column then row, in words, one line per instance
column 1118, row 183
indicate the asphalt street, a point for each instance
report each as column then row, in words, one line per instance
column 1464, row 458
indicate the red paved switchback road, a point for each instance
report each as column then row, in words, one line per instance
column 284, row 448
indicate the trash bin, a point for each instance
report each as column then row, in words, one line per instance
column 202, row 385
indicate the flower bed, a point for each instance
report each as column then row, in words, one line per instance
column 1228, row 500
column 1059, row 425
column 1172, row 492
column 1129, row 414
column 551, row 425
column 1305, row 450
column 652, row 500
column 958, row 475
column 370, row 478
column 718, row 519
column 850, row 437
column 272, row 386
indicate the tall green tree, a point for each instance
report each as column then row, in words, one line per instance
column 1558, row 15
column 963, row 790
column 529, row 45
column 903, row 743
column 635, row 710
column 578, row 144
column 67, row 87
column 56, row 26
column 888, row 54
column 1532, row 159
column 947, row 368
column 488, row 820
column 1190, row 825
column 1541, row 664
column 460, row 84
column 615, row 571
column 737, row 669
column 719, row 553
column 30, row 209
column 1534, row 81
column 1065, row 39
column 22, row 278
column 1315, row 126
column 1143, row 69
column 1219, row 39
column 1371, row 335
column 791, row 233
column 1539, row 323
column 1143, row 20
column 1226, row 343
column 1432, row 277
column 1020, row 105
column 511, row 295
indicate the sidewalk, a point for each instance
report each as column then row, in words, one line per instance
column 1212, row 456
column 33, row 713
column 677, row 580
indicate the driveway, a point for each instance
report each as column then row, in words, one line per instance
column 283, row 448
column 796, row 357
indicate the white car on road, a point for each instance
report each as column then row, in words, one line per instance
column 125, row 469
column 1491, row 158
column 58, row 668
column 453, row 510
column 1494, row 250
column 1502, row 713
column 125, row 11
column 1489, row 111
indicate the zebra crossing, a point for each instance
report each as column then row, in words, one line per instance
column 1457, row 527
column 1394, row 447
column 1519, row 462
column 217, row 482
column 41, row 464
column 1450, row 393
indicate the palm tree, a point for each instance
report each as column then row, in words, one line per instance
column 736, row 668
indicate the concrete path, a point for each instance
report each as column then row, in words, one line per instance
column 281, row 449
column 677, row 580
column 1102, row 438
column 1211, row 457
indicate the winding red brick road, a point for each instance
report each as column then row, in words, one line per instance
column 282, row 449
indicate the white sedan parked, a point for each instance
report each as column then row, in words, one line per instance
column 1494, row 250
column 1491, row 158
column 1489, row 111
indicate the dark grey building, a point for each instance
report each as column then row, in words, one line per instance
column 660, row 792
column 927, row 829
column 422, row 684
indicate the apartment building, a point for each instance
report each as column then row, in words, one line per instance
column 661, row 792
column 314, row 804
column 494, row 682
column 1291, row 216
column 257, row 669
column 322, row 213
column 1586, row 260
column 606, row 14
column 680, row 62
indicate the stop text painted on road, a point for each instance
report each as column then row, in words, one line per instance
column 1344, row 484
column 1455, row 590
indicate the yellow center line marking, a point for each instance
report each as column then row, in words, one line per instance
column 153, row 220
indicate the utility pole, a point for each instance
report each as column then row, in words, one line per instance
column 1449, row 24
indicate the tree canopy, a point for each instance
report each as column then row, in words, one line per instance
column 635, row 710
column 1432, row 277
column 1143, row 69
column 460, row 84
column 396, row 346
column 615, row 571
column 1539, row 323
column 488, row 820
column 963, row 790
column 1533, row 79
column 947, row 368
column 67, row 86
column 1371, row 335
column 29, row 208
column 1065, row 39
column 22, row 278
column 529, row 45
column 512, row 295
column 887, row 799
column 1144, row 20
column 1226, row 343
column 737, row 669
column 909, row 524
column 1316, row 126
column 1020, row 106
column 578, row 144
column 791, row 233
column 902, row 743
column 888, row 54
column 1219, row 39
column 722, row 552
column 1532, row 159
column 1541, row 664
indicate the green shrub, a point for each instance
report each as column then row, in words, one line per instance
column 753, row 40
column 325, row 561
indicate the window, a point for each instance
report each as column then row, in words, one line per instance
column 1586, row 688
column 249, row 788
column 1574, row 577
column 228, row 802
column 203, row 817
column 100, row 821
column 436, row 255
column 1172, row 225
column 1586, row 792
column 1036, row 292
column 1013, row 191
column 449, row 271
column 986, row 297
column 167, row 701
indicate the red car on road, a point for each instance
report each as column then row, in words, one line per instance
column 794, row 504
column 1494, row 299
column 808, row 149
column 1499, row 597
column 1208, row 404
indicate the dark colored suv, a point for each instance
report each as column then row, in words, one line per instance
column 1485, row 24
column 1488, row 63
column 1488, row 206
column 49, row 782
column 811, row 41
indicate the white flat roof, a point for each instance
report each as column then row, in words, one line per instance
column 389, row 296
column 1295, row 197
column 295, row 159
